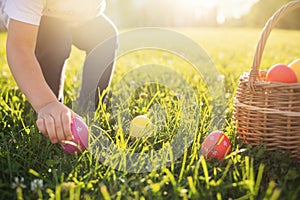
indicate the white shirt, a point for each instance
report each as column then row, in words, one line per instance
column 31, row 11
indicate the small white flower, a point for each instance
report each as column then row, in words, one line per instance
column 18, row 183
column 36, row 184
column 221, row 77
column 132, row 82
column 183, row 191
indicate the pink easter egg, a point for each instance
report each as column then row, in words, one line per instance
column 81, row 136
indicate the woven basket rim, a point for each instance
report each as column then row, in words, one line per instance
column 245, row 77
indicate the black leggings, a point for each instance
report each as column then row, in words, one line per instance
column 54, row 42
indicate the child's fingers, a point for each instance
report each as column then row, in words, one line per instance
column 66, row 119
column 59, row 129
column 50, row 126
column 55, row 121
column 41, row 126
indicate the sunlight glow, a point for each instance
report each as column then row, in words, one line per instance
column 180, row 12
column 202, row 3
column 234, row 8
column 225, row 8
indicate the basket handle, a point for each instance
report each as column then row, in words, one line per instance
column 254, row 72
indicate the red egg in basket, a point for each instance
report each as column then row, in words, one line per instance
column 281, row 73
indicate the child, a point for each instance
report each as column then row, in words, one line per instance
column 39, row 38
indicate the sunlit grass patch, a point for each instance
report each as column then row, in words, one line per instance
column 27, row 157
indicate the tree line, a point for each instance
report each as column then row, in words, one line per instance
column 153, row 13
column 264, row 9
column 138, row 13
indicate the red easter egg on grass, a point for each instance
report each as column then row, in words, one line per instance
column 216, row 146
column 81, row 136
column 281, row 73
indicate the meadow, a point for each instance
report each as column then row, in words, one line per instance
column 33, row 168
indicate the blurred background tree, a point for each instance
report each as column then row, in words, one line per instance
column 187, row 13
column 264, row 9
column 197, row 13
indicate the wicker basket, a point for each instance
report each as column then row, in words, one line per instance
column 268, row 113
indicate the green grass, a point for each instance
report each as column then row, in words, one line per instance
column 249, row 173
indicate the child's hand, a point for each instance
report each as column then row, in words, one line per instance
column 54, row 120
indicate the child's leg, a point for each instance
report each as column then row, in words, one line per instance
column 52, row 49
column 99, row 63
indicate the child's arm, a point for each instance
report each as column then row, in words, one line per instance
column 54, row 118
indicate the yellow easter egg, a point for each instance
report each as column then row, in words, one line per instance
column 141, row 126
column 295, row 66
